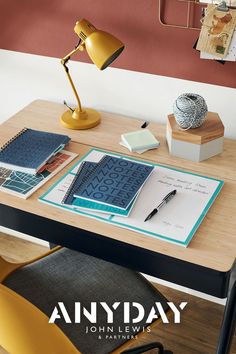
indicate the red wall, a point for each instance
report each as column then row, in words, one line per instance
column 45, row 27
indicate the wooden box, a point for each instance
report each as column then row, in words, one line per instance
column 196, row 144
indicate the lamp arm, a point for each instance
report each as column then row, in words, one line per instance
column 64, row 62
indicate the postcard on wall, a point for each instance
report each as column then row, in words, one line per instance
column 217, row 32
column 231, row 56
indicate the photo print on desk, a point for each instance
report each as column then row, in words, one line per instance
column 23, row 184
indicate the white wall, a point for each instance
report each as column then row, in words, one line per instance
column 26, row 77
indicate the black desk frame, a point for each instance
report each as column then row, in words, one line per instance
column 209, row 281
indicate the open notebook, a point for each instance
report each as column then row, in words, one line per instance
column 176, row 222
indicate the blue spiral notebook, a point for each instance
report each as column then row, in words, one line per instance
column 114, row 182
column 29, row 150
column 82, row 174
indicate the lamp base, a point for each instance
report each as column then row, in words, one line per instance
column 86, row 119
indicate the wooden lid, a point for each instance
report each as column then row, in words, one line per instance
column 211, row 129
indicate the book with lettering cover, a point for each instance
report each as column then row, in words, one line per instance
column 114, row 182
column 82, row 174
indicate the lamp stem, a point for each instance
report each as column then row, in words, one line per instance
column 63, row 62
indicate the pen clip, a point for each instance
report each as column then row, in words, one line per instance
column 169, row 195
column 144, row 125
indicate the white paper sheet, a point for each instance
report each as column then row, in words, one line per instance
column 177, row 218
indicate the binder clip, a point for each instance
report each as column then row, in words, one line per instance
column 223, row 7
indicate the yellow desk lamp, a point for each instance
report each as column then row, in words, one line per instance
column 102, row 48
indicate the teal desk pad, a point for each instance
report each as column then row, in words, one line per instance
column 176, row 222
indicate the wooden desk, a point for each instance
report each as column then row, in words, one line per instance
column 205, row 265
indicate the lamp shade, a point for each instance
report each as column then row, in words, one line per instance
column 102, row 47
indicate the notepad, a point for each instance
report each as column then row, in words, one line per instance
column 114, row 182
column 140, row 140
column 82, row 174
column 29, row 150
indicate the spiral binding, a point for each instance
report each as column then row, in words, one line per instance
column 94, row 170
column 3, row 147
column 71, row 188
column 72, row 184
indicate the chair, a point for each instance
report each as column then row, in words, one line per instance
column 30, row 291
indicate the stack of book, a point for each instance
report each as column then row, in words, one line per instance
column 110, row 186
column 30, row 158
column 139, row 141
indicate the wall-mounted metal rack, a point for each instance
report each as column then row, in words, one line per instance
column 191, row 6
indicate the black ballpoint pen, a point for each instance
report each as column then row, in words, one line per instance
column 165, row 200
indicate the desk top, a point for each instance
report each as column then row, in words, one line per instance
column 213, row 245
